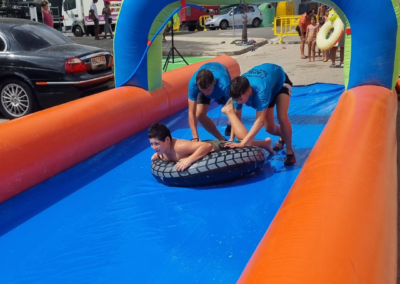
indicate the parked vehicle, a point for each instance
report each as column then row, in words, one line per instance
column 41, row 68
column 190, row 17
column 76, row 16
column 230, row 17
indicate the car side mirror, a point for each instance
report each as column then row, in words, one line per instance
column 65, row 6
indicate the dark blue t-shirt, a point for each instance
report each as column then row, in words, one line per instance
column 221, row 88
column 266, row 81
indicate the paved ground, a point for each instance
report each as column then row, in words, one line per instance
column 202, row 43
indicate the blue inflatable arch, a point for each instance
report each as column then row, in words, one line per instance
column 372, row 49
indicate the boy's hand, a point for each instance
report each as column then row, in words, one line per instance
column 155, row 157
column 183, row 164
column 234, row 145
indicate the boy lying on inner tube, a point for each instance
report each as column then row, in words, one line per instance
column 183, row 152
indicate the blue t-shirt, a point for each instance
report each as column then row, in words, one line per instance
column 266, row 81
column 221, row 88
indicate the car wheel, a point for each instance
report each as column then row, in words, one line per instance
column 191, row 28
column 78, row 32
column 16, row 99
column 223, row 25
column 198, row 27
column 256, row 22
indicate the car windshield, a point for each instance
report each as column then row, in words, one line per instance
column 226, row 11
column 34, row 37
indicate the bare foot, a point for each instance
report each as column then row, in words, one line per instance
column 309, row 60
column 228, row 107
column 313, row 60
column 268, row 146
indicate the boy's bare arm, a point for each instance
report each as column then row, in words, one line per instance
column 194, row 151
column 155, row 157
column 192, row 118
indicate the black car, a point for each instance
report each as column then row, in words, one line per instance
column 41, row 68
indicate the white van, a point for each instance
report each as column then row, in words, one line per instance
column 75, row 15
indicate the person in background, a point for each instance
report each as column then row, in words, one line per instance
column 312, row 33
column 302, row 30
column 47, row 18
column 107, row 19
column 95, row 17
column 168, row 27
column 333, row 53
column 321, row 14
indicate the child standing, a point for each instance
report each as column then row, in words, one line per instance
column 312, row 32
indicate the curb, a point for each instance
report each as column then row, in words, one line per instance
column 286, row 42
column 213, row 53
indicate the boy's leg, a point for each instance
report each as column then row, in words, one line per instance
column 313, row 49
column 333, row 56
column 269, row 123
column 201, row 115
column 282, row 108
column 164, row 34
column 341, row 56
column 240, row 130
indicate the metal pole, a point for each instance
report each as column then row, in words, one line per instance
column 233, row 21
column 172, row 39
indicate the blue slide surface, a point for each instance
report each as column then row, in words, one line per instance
column 106, row 220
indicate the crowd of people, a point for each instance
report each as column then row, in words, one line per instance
column 93, row 15
column 308, row 29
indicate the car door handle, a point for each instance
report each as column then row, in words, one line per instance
column 76, row 15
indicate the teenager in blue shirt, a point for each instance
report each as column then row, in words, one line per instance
column 210, row 82
column 262, row 88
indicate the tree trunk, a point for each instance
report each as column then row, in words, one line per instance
column 244, row 30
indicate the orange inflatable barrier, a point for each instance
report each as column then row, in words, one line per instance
column 41, row 145
column 338, row 223
column 398, row 86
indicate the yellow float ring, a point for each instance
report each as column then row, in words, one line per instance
column 338, row 28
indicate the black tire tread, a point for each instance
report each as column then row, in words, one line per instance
column 214, row 163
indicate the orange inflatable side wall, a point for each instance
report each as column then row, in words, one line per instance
column 398, row 86
column 41, row 145
column 338, row 223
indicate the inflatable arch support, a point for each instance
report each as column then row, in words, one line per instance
column 372, row 49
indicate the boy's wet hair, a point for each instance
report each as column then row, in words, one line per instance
column 159, row 131
column 309, row 12
column 204, row 78
column 238, row 87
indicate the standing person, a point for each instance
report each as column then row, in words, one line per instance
column 107, row 19
column 168, row 27
column 262, row 88
column 340, row 44
column 47, row 18
column 95, row 17
column 210, row 82
column 312, row 33
column 302, row 30
column 321, row 14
